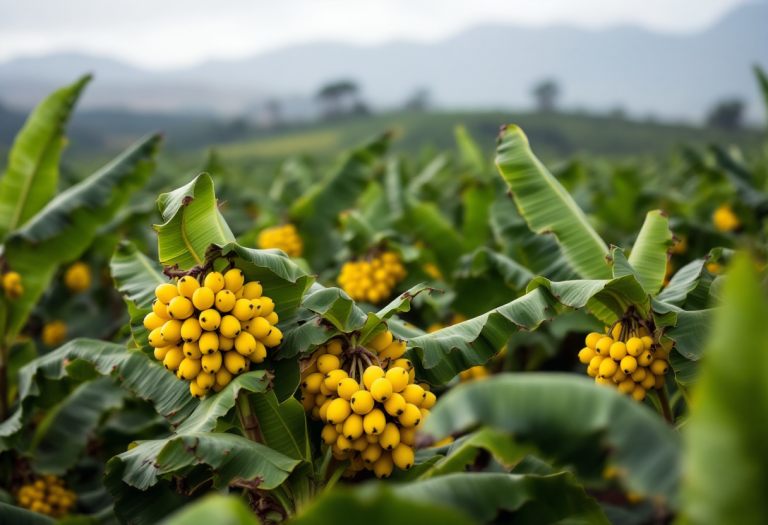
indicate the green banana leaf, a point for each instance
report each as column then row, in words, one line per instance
column 283, row 426
column 63, row 434
column 573, row 421
column 31, row 179
column 650, row 252
column 726, row 434
column 18, row 516
column 193, row 223
column 548, row 207
column 232, row 458
column 425, row 222
column 84, row 359
column 469, row 152
column 67, row 225
column 438, row 357
column 213, row 508
column 477, row 202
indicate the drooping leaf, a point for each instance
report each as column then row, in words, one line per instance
column 548, row 207
column 649, row 254
column 438, row 357
column 231, row 457
column 31, row 179
column 469, row 152
column 18, row 516
column 515, row 275
column 63, row 434
column 86, row 358
column 136, row 275
column 573, row 421
column 283, row 426
column 690, row 286
column 214, row 508
column 192, row 223
column 426, row 223
column 689, row 330
column 66, row 226
column 726, row 435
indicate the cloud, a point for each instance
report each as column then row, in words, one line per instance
column 178, row 33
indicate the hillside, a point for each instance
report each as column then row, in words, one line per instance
column 670, row 76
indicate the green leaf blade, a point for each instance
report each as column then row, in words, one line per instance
column 649, row 254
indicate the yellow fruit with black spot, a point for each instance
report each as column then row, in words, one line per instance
column 402, row 456
column 245, row 344
column 411, row 416
column 214, row 281
column 208, row 343
column 639, row 374
column 173, row 358
column 353, row 426
column 230, row 326
column 371, row 374
column 398, row 377
column 203, row 298
column 258, row 327
column 234, row 279
column 160, row 310
column 259, row 354
column 329, row 435
column 243, row 310
column 180, row 308
column 603, row 346
column 635, row 346
column 171, row 331
column 189, row 368
column 272, row 318
column 383, row 466
column 374, row 422
column 333, row 378
column 347, row 387
column 210, row 320
column 389, row 439
column 338, row 411
column 394, row 351
column 211, row 362
column 362, row 402
column 327, row 363
column 252, row 290
column 429, row 400
column 414, row 395
column 647, row 342
column 659, row 367
column 205, row 380
column 627, row 386
column 381, row 389
column 311, row 383
column 225, row 301
column 152, row 321
column 335, row 347
column 372, row 453
column 191, row 330
column 235, row 362
column 402, row 363
column 273, row 338
column 192, row 350
column 586, row 354
column 628, row 365
column 592, row 339
column 166, row 292
column 196, row 390
column 649, row 382
column 156, row 339
column 596, row 361
column 618, row 351
column 608, row 367
column 645, row 359
column 267, row 306
column 160, row 352
column 619, row 376
column 188, row 286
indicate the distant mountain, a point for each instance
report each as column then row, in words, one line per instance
column 668, row 76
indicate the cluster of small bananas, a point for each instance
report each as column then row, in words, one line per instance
column 77, row 278
column 626, row 358
column 284, row 238
column 12, row 285
column 54, row 333
column 372, row 280
column 208, row 334
column 372, row 422
column 46, row 495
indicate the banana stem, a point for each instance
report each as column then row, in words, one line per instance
column 248, row 417
column 666, row 410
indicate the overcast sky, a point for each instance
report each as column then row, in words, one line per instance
column 178, row 33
